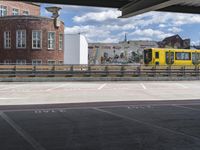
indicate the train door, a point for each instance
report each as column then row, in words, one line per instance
column 195, row 58
column 169, row 57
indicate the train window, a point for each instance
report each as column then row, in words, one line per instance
column 157, row 55
column 183, row 56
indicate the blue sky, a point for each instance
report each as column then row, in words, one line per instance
column 103, row 24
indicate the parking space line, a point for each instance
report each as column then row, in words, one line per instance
column 54, row 88
column 9, row 88
column 143, row 86
column 145, row 123
column 21, row 132
column 102, row 86
column 181, row 85
column 10, row 98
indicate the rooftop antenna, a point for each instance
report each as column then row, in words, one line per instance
column 125, row 38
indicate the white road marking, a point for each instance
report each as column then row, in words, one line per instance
column 102, row 86
column 54, row 88
column 12, row 87
column 181, row 85
column 146, row 123
column 10, row 98
column 143, row 86
column 22, row 132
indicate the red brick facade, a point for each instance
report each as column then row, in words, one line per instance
column 29, row 24
column 32, row 8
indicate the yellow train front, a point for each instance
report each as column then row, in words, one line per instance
column 160, row 56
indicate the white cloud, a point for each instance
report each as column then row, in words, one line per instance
column 175, row 29
column 156, row 34
column 98, row 16
column 103, row 24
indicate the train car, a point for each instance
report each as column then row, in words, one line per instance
column 161, row 56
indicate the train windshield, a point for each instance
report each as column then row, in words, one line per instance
column 147, row 56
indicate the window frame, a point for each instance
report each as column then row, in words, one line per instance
column 21, row 61
column 48, row 46
column 21, row 39
column 7, row 61
column 36, row 39
column 1, row 10
column 15, row 9
column 7, row 40
column 52, row 61
column 36, row 61
column 61, row 48
column 26, row 11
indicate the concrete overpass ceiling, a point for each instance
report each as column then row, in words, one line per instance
column 135, row 7
column 192, row 6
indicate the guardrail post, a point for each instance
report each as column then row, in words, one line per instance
column 169, row 70
column 138, row 70
column 183, row 70
column 15, row 70
column 106, row 70
column 34, row 70
column 89, row 70
column 196, row 70
column 122, row 70
column 72, row 70
column 154, row 70
column 53, row 70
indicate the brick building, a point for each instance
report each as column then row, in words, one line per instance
column 28, row 38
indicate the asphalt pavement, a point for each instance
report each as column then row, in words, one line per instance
column 167, row 125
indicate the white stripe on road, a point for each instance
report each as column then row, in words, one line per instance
column 102, row 86
column 54, row 88
column 10, row 98
column 181, row 85
column 143, row 86
column 12, row 87
column 22, row 132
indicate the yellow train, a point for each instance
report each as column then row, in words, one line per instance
column 160, row 56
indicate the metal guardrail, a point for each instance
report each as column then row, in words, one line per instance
column 96, row 70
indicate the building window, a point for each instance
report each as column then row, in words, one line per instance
column 36, row 39
column 51, row 40
column 20, row 61
column 36, row 62
column 26, row 12
column 51, row 62
column 60, row 62
column 7, row 39
column 60, row 41
column 3, row 10
column 15, row 12
column 21, row 39
column 7, row 62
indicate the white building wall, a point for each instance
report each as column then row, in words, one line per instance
column 83, row 50
column 75, row 49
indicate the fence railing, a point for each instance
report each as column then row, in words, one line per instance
column 96, row 70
